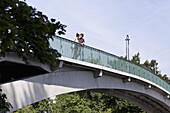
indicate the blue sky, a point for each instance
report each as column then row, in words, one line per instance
column 106, row 23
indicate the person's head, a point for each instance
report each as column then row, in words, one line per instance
column 81, row 35
column 77, row 35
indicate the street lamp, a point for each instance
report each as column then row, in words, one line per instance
column 127, row 46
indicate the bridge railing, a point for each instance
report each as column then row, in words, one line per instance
column 73, row 50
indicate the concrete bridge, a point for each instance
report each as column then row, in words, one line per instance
column 82, row 68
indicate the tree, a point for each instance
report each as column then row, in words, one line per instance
column 26, row 32
column 43, row 106
column 83, row 102
column 154, row 66
column 146, row 64
column 150, row 65
column 123, row 57
column 4, row 105
column 136, row 58
column 165, row 77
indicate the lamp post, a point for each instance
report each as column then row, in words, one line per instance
column 127, row 46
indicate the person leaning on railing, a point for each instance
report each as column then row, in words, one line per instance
column 77, row 48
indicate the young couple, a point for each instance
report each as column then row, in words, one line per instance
column 77, row 47
column 79, row 38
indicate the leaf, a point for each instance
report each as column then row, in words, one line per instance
column 53, row 20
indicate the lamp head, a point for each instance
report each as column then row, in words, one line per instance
column 127, row 38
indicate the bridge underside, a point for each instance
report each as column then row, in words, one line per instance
column 146, row 102
column 13, row 68
column 70, row 79
column 10, row 71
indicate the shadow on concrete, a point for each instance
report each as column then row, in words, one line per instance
column 10, row 71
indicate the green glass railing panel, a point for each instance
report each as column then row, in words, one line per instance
column 111, row 62
column 56, row 45
column 87, row 54
column 137, row 71
column 76, row 51
column 66, row 49
column 141, row 73
column 144, row 74
column 123, row 65
column 96, row 57
column 165, row 86
column 148, row 76
column 153, row 78
column 131, row 68
column 103, row 59
column 127, row 67
column 118, row 64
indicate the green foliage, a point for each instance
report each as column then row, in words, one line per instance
column 123, row 57
column 146, row 64
column 165, row 77
column 82, row 102
column 43, row 106
column 150, row 65
column 136, row 58
column 27, row 109
column 4, row 105
column 26, row 32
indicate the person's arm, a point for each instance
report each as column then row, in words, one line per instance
column 83, row 43
column 75, row 39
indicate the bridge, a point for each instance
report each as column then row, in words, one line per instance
column 82, row 68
